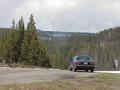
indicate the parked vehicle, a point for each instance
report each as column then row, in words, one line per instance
column 82, row 62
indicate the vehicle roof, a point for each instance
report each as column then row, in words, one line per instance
column 81, row 55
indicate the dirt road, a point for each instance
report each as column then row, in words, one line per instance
column 22, row 75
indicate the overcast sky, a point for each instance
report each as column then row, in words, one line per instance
column 63, row 15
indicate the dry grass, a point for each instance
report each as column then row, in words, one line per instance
column 101, row 82
column 113, row 77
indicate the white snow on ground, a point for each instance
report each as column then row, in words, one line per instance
column 114, row 72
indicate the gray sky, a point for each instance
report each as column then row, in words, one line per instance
column 63, row 15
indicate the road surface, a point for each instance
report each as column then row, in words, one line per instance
column 22, row 75
column 112, row 72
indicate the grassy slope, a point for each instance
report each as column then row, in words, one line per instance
column 101, row 82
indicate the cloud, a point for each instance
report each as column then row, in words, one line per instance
column 63, row 15
column 46, row 12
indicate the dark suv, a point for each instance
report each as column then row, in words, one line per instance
column 82, row 62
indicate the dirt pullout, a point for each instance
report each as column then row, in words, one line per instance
column 25, row 75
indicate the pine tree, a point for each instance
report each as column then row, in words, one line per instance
column 33, row 52
column 21, row 31
column 10, row 46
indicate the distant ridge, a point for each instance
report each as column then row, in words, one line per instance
column 54, row 34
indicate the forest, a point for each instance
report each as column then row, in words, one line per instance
column 22, row 46
column 25, row 46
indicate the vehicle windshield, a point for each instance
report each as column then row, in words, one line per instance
column 84, row 58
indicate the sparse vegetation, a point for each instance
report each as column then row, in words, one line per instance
column 105, row 76
column 101, row 82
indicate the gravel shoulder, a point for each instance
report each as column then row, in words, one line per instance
column 29, row 75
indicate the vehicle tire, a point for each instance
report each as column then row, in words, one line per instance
column 92, row 70
column 70, row 68
column 74, row 69
column 86, row 70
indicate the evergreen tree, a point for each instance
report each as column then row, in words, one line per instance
column 33, row 52
column 26, row 47
column 10, row 45
column 21, row 31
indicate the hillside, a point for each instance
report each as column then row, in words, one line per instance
column 47, row 35
column 103, row 46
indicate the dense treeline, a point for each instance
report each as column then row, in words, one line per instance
column 104, row 47
column 23, row 46
column 20, row 45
